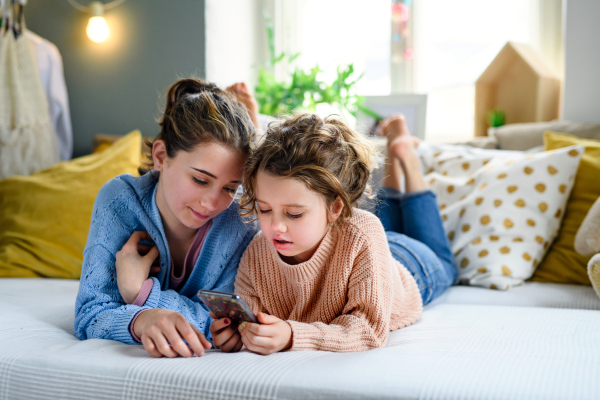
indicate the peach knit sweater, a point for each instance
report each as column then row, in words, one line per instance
column 347, row 297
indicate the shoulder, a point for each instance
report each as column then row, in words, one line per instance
column 126, row 187
column 364, row 224
column 120, row 206
column 369, row 239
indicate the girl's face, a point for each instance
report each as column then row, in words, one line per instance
column 293, row 218
column 195, row 186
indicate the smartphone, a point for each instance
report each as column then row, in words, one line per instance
column 227, row 305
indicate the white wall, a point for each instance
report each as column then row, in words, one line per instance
column 235, row 41
column 581, row 101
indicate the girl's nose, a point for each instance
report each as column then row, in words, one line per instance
column 277, row 226
column 210, row 201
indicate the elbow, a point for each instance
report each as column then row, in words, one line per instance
column 83, row 321
column 78, row 330
column 376, row 341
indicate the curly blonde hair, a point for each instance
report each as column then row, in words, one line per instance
column 325, row 154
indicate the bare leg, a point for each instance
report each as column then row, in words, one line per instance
column 401, row 156
column 393, row 172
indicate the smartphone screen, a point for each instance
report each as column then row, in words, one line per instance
column 227, row 305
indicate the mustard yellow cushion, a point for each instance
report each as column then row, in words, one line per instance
column 45, row 217
column 562, row 264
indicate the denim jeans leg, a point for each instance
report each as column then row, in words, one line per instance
column 423, row 264
column 422, row 221
column 417, row 239
column 388, row 210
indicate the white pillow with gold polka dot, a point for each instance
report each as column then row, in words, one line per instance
column 501, row 210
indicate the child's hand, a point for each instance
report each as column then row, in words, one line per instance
column 224, row 336
column 272, row 336
column 163, row 333
column 243, row 95
column 132, row 267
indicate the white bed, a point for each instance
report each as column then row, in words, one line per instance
column 537, row 341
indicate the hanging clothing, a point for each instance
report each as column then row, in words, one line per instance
column 27, row 140
column 50, row 69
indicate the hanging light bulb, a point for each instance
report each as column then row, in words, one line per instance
column 97, row 28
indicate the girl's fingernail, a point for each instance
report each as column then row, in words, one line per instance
column 226, row 321
column 242, row 325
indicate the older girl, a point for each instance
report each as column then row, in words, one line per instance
column 320, row 275
column 182, row 206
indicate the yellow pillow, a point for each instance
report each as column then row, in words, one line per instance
column 45, row 217
column 562, row 264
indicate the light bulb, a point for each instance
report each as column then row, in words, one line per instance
column 97, row 29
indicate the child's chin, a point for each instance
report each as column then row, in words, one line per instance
column 286, row 252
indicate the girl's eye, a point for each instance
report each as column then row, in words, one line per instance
column 198, row 181
column 230, row 190
column 263, row 211
column 294, row 215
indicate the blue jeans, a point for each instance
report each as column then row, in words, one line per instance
column 417, row 239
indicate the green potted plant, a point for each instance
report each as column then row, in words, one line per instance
column 304, row 89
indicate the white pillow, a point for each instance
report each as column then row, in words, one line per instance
column 501, row 209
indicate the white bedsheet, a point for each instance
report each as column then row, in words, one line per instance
column 467, row 345
column 531, row 294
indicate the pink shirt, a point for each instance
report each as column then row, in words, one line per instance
column 175, row 282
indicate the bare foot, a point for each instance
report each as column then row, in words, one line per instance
column 401, row 145
column 244, row 96
column 395, row 127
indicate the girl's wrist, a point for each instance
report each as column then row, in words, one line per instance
column 290, row 342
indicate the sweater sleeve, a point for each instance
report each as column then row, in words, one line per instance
column 100, row 311
column 364, row 323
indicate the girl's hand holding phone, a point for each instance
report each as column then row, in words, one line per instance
column 226, row 337
column 270, row 336
column 134, row 262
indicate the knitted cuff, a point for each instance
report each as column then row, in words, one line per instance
column 133, row 335
column 305, row 336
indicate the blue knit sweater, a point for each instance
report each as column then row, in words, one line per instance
column 127, row 204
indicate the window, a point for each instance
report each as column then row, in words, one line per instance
column 449, row 45
column 453, row 44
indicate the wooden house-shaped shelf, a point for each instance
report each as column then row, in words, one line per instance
column 520, row 83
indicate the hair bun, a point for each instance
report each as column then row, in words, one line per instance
column 183, row 88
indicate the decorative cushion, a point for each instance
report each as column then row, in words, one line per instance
column 45, row 217
column 501, row 210
column 562, row 263
column 528, row 135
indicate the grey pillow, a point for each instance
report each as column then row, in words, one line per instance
column 525, row 136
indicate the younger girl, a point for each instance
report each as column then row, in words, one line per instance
column 320, row 275
column 182, row 205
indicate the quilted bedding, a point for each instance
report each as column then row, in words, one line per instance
column 537, row 341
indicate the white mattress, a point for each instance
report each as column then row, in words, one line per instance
column 531, row 294
column 472, row 343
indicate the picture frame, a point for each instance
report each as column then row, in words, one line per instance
column 413, row 106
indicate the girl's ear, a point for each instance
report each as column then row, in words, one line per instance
column 336, row 209
column 159, row 154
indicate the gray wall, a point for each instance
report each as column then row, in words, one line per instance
column 582, row 61
column 117, row 86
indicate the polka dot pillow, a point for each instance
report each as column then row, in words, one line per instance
column 501, row 210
